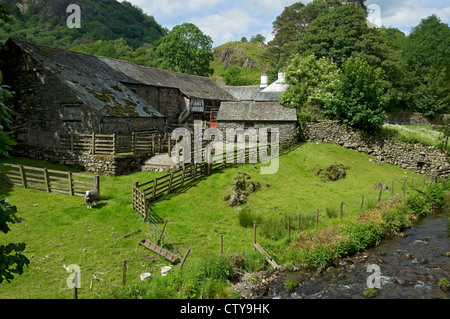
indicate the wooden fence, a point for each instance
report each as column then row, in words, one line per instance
column 143, row 143
column 51, row 181
column 146, row 193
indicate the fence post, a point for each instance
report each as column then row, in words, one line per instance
column 22, row 175
column 69, row 177
column 392, row 188
column 404, row 185
column 114, row 143
column 169, row 144
column 155, row 181
column 135, row 186
column 93, row 143
column 47, row 185
column 75, row 287
column 183, row 173
column 362, row 203
column 342, row 209
column 184, row 258
column 380, row 193
column 254, row 233
column 221, row 244
column 299, row 218
column 170, row 182
column 97, row 183
column 124, row 275
column 153, row 145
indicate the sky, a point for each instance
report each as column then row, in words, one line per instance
column 230, row 20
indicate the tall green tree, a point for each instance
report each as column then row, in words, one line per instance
column 362, row 97
column 12, row 260
column 427, row 56
column 185, row 49
column 314, row 86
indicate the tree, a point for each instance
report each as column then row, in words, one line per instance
column 314, row 83
column 11, row 259
column 291, row 25
column 427, row 56
column 5, row 141
column 258, row 38
column 244, row 39
column 185, row 49
column 234, row 76
column 362, row 96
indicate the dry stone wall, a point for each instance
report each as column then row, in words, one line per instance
column 422, row 159
column 108, row 165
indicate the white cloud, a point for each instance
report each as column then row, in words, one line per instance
column 411, row 16
column 169, row 7
column 227, row 26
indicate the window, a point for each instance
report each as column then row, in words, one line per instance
column 72, row 113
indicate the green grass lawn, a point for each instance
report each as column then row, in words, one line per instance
column 423, row 134
column 59, row 230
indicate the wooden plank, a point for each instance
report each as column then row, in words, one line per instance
column 160, row 251
column 266, row 255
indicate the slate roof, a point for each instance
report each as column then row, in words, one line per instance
column 252, row 93
column 93, row 81
column 99, row 81
column 190, row 85
column 255, row 111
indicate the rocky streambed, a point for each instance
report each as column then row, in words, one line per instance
column 415, row 265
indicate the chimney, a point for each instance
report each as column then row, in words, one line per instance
column 264, row 81
column 281, row 78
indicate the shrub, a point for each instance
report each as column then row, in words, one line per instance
column 364, row 235
column 418, row 204
column 321, row 255
column 395, row 220
column 435, row 194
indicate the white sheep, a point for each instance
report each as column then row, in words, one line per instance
column 92, row 197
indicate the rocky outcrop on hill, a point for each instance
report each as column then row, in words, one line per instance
column 233, row 56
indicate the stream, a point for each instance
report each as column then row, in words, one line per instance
column 407, row 267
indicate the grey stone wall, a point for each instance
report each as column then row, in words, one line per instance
column 128, row 125
column 166, row 100
column 410, row 118
column 422, row 159
column 289, row 132
column 108, row 165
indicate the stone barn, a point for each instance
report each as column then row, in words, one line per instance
column 61, row 90
column 251, row 114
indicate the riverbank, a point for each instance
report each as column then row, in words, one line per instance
column 412, row 264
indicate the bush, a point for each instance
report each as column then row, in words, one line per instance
column 364, row 235
column 395, row 220
column 321, row 256
column 418, row 204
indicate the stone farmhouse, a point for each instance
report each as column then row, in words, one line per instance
column 61, row 90
column 258, row 107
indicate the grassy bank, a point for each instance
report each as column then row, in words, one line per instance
column 60, row 231
column 423, row 134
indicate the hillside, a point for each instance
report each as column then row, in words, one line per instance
column 248, row 56
column 44, row 22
